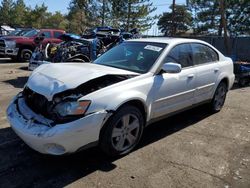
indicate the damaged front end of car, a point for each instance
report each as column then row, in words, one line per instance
column 63, row 124
column 67, row 106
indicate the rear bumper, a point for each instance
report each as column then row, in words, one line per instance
column 60, row 139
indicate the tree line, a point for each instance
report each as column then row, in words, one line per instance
column 206, row 17
column 82, row 15
column 203, row 17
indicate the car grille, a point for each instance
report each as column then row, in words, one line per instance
column 37, row 103
column 2, row 43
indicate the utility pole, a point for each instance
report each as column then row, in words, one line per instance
column 224, row 25
column 128, row 18
column 173, row 19
column 103, row 12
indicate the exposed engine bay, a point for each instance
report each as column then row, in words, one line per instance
column 41, row 105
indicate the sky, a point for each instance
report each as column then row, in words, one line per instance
column 62, row 6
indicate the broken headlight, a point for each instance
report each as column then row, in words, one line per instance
column 72, row 108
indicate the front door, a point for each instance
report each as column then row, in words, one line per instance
column 175, row 91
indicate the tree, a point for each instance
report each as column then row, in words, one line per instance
column 6, row 10
column 56, row 20
column 82, row 15
column 182, row 21
column 104, row 7
column 238, row 17
column 208, row 17
column 133, row 14
column 37, row 17
column 19, row 14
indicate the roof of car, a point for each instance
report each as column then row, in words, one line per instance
column 166, row 40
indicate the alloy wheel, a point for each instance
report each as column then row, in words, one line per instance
column 126, row 132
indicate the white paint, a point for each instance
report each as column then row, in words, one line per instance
column 159, row 93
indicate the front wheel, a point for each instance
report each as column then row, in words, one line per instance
column 122, row 132
column 25, row 55
column 219, row 97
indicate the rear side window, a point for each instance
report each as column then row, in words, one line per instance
column 203, row 54
column 57, row 34
column 181, row 54
column 47, row 34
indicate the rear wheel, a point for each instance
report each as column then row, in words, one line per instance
column 122, row 132
column 219, row 97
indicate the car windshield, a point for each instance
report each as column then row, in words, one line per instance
column 31, row 33
column 14, row 33
column 133, row 56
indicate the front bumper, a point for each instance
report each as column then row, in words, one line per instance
column 9, row 51
column 35, row 130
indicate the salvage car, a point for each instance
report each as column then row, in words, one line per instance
column 68, row 107
column 79, row 49
column 20, row 48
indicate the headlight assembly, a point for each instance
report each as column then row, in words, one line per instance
column 72, row 108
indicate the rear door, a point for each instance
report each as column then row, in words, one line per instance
column 175, row 91
column 205, row 60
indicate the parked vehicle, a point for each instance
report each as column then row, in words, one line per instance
column 19, row 31
column 72, row 49
column 21, row 47
column 67, row 107
column 5, row 30
column 242, row 73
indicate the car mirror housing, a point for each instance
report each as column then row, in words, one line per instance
column 171, row 68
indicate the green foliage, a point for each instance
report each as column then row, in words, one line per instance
column 6, row 9
column 182, row 21
column 133, row 14
column 83, row 14
column 207, row 18
column 202, row 15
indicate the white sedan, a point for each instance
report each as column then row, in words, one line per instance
column 67, row 107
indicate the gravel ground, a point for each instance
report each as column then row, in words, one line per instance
column 192, row 149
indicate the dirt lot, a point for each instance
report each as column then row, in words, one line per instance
column 192, row 149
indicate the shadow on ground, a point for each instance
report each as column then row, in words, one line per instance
column 236, row 86
column 18, row 82
column 25, row 68
column 22, row 167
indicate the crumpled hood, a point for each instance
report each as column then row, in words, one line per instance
column 49, row 79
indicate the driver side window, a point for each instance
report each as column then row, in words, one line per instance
column 181, row 54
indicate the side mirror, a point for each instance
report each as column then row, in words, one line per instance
column 171, row 68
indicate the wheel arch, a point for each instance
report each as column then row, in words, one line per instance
column 138, row 103
column 226, row 81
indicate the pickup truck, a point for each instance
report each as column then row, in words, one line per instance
column 20, row 48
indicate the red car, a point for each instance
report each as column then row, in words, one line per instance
column 21, row 47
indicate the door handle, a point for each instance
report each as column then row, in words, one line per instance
column 190, row 76
column 216, row 70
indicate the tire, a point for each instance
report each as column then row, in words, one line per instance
column 243, row 82
column 25, row 55
column 219, row 98
column 122, row 132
